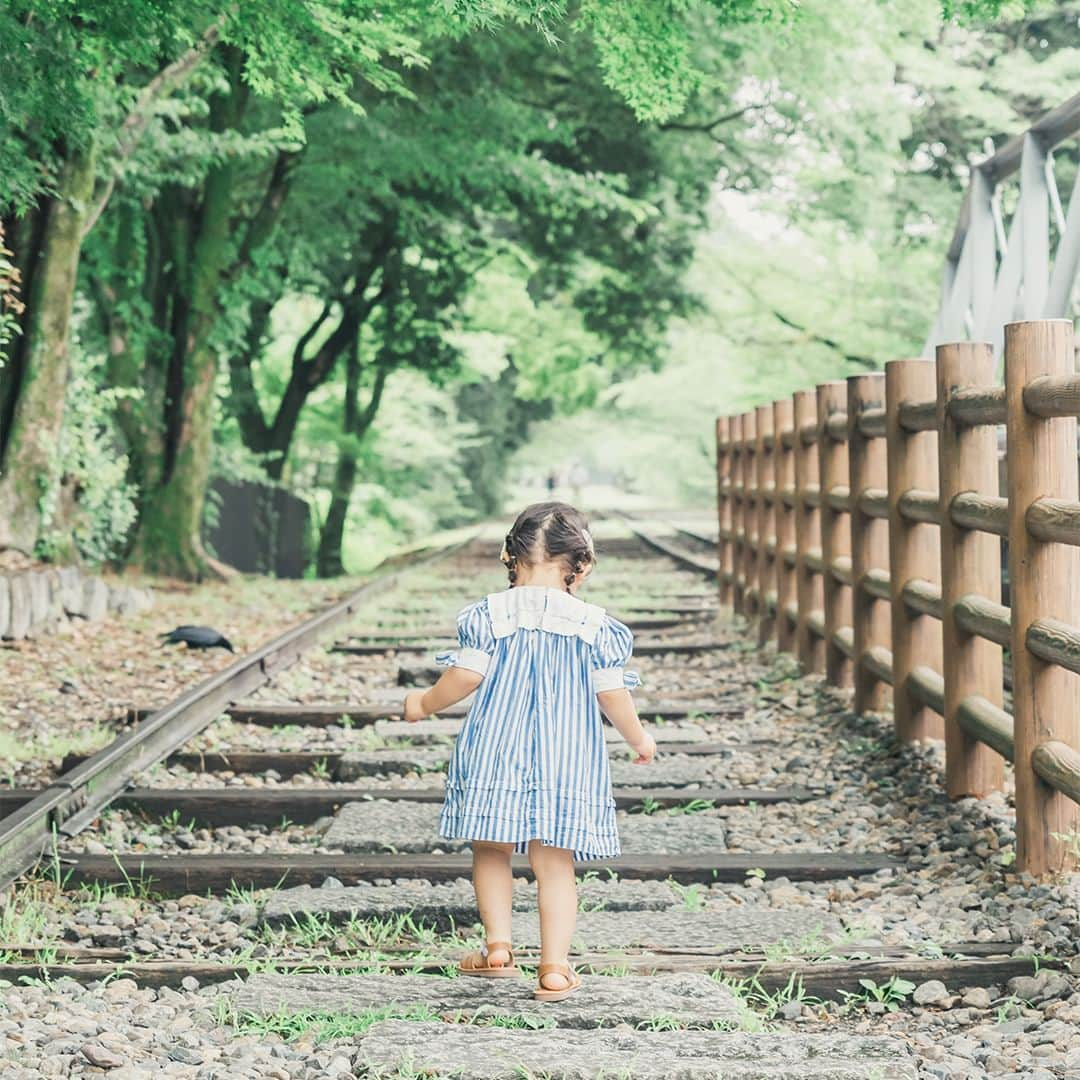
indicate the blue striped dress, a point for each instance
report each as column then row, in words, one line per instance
column 530, row 761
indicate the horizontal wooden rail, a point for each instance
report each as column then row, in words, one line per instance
column 929, row 687
column 812, row 495
column 841, row 569
column 923, row 597
column 874, row 502
column 918, row 415
column 878, row 660
column 977, row 406
column 878, row 583
column 815, row 560
column 984, row 513
column 816, row 622
column 872, row 422
column 844, row 640
column 918, row 505
column 839, row 497
column 983, row 618
column 1055, row 642
column 988, row 723
column 1059, row 765
column 808, row 433
column 1056, row 520
column 836, row 427
column 1053, row 395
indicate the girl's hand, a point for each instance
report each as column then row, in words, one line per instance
column 414, row 709
column 645, row 749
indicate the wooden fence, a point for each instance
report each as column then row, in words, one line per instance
column 860, row 525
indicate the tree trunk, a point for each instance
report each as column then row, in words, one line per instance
column 273, row 440
column 35, row 405
column 329, row 561
column 170, row 526
column 170, row 540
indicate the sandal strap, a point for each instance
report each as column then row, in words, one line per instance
column 552, row 968
column 490, row 946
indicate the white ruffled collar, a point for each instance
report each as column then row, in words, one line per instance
column 540, row 607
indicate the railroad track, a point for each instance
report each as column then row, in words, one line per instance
column 278, row 861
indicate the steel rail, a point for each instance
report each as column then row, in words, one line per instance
column 77, row 797
column 702, row 566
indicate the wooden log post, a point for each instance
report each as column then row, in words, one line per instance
column 809, row 588
column 914, row 547
column 766, row 532
column 835, row 531
column 784, row 436
column 869, row 540
column 724, row 506
column 970, row 566
column 1044, row 583
column 738, row 518
column 749, row 479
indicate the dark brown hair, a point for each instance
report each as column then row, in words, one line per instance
column 550, row 531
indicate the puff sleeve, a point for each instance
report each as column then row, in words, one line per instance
column 609, row 655
column 475, row 638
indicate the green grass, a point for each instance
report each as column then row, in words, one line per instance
column 318, row 1025
column 16, row 749
column 694, row 897
column 758, row 1006
column 891, row 994
column 649, row 805
column 24, row 918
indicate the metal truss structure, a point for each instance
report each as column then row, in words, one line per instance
column 994, row 276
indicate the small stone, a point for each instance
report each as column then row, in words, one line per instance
column 185, row 1055
column 101, row 1056
column 120, row 989
column 932, row 992
column 976, row 998
column 791, row 1010
column 190, row 983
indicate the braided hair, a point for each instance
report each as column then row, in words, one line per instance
column 546, row 532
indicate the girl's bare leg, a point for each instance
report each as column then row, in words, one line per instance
column 556, row 889
column 494, row 885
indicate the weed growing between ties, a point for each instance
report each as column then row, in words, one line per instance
column 316, row 1026
column 693, row 897
column 649, row 805
column 758, row 1006
column 324, row 944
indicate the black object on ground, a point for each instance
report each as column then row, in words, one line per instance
column 197, row 637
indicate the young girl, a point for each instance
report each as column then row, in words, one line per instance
column 529, row 771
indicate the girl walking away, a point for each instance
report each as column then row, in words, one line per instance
column 529, row 772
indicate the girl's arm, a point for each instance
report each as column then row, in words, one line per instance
column 454, row 685
column 618, row 706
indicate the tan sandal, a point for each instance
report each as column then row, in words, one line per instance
column 542, row 993
column 476, row 963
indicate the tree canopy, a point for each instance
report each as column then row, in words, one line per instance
column 271, row 236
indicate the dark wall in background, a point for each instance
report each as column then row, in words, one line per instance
column 258, row 528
